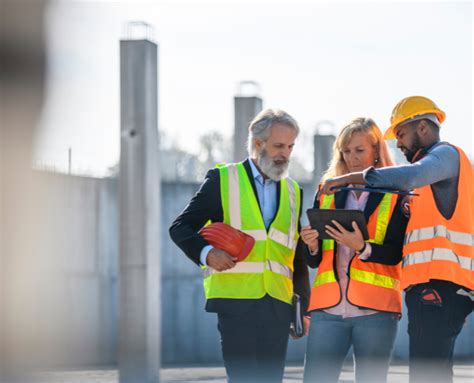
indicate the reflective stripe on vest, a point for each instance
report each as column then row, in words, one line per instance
column 374, row 279
column 324, row 277
column 254, row 268
column 438, row 254
column 328, row 203
column 268, row 269
column 383, row 211
column 426, row 233
column 258, row 235
column 234, row 198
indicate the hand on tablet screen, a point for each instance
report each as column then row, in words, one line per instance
column 352, row 239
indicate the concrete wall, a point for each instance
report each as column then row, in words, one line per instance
column 83, row 242
column 189, row 334
column 76, row 294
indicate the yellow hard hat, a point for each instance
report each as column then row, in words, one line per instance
column 408, row 109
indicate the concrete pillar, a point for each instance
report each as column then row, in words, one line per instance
column 139, row 195
column 322, row 155
column 247, row 104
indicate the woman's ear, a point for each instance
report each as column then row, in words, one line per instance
column 376, row 154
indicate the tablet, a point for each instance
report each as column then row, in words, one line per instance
column 318, row 218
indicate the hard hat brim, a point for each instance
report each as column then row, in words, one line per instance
column 390, row 132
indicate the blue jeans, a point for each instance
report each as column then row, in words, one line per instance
column 330, row 338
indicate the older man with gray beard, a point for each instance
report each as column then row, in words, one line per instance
column 252, row 298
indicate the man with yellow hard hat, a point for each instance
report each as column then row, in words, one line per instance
column 438, row 254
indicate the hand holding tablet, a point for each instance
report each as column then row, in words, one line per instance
column 319, row 218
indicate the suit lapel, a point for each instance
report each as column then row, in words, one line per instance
column 340, row 199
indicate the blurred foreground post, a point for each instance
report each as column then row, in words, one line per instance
column 139, row 190
column 22, row 68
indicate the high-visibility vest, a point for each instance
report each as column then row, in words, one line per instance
column 371, row 285
column 440, row 248
column 268, row 269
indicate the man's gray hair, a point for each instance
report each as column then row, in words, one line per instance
column 259, row 128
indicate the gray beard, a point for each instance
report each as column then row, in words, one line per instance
column 270, row 169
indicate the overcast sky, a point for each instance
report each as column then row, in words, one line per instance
column 317, row 60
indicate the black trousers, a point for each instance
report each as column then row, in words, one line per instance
column 436, row 314
column 254, row 343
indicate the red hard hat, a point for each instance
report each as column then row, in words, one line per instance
column 235, row 242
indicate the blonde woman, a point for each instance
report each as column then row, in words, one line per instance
column 355, row 298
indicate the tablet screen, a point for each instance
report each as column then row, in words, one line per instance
column 319, row 218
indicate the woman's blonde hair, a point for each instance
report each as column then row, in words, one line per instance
column 338, row 166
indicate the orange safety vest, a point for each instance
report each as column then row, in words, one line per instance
column 371, row 285
column 440, row 248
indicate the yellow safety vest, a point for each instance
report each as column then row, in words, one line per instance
column 268, row 269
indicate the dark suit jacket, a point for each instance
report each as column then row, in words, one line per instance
column 390, row 252
column 206, row 205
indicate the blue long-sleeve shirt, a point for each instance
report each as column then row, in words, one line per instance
column 439, row 168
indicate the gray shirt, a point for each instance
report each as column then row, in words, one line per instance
column 438, row 168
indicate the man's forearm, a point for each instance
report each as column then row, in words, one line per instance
column 440, row 164
column 331, row 185
column 356, row 178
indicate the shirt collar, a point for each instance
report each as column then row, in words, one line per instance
column 363, row 195
column 257, row 176
column 432, row 146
